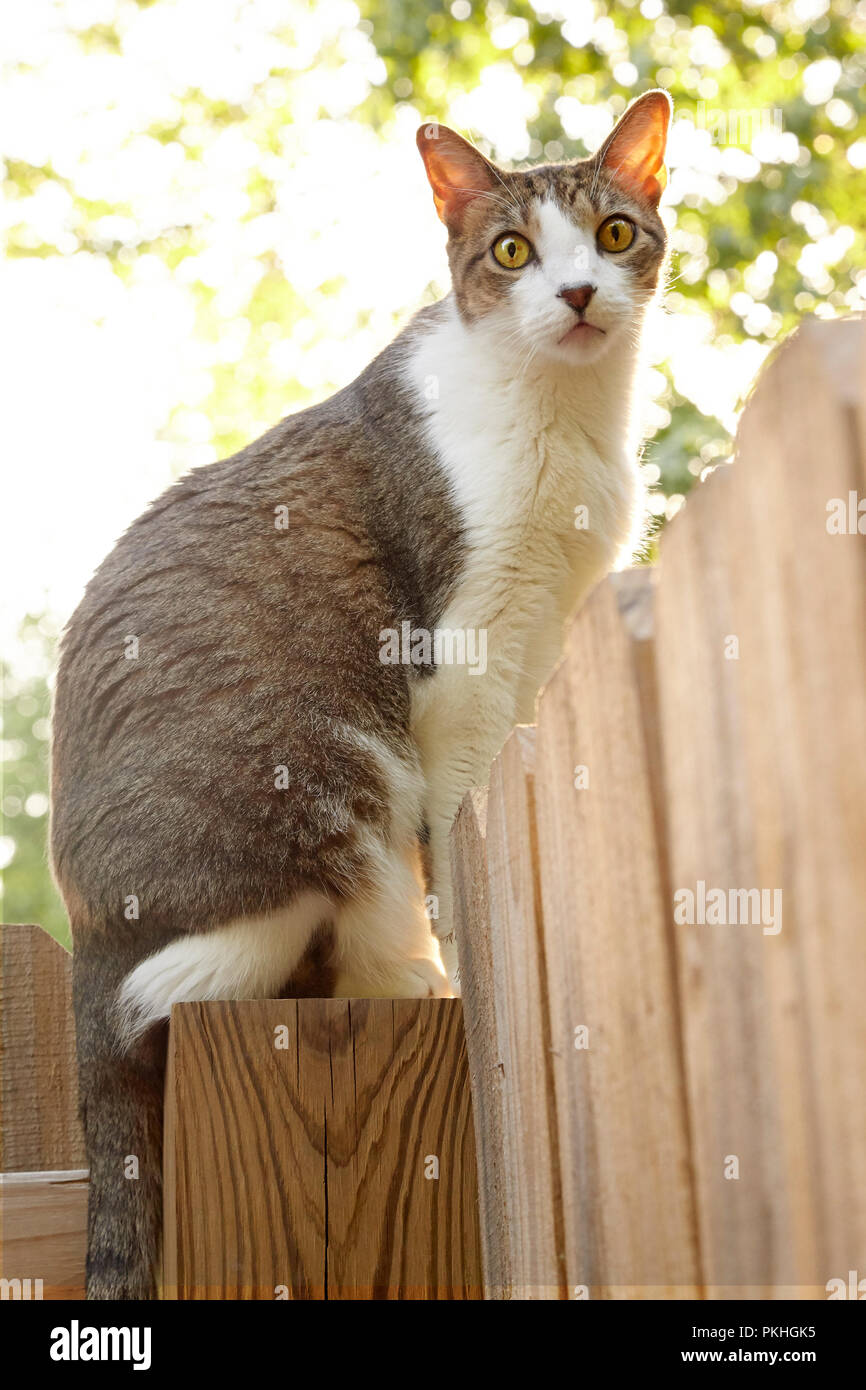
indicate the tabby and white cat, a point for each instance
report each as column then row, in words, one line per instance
column 243, row 775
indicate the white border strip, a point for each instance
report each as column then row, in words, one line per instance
column 54, row 1175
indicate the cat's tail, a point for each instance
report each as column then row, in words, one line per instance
column 121, row 1097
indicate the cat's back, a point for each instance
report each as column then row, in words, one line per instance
column 232, row 630
column 318, row 497
column 235, row 605
column 228, row 540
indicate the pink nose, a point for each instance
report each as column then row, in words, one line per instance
column 578, row 296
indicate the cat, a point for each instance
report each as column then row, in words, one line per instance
column 246, row 768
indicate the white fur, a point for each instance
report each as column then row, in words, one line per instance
column 248, row 959
column 384, row 943
column 525, row 431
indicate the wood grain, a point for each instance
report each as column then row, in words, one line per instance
column 43, row 1232
column 498, row 918
column 630, row 1226
column 39, row 1124
column 766, row 787
column 733, row 1093
column 530, row 1151
column 484, row 1044
column 300, row 1171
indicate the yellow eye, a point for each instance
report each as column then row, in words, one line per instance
column 512, row 250
column 616, row 234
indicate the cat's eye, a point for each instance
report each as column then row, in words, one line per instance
column 512, row 250
column 616, row 234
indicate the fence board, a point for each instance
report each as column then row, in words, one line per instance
column 803, row 442
column 766, row 791
column 531, row 1161
column 510, row 1062
column 484, row 1045
column 733, row 1087
column 623, row 1141
column 299, row 1171
column 43, row 1233
column 39, row 1124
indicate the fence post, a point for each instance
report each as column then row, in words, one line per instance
column 320, row 1149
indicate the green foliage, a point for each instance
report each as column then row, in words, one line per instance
column 28, row 893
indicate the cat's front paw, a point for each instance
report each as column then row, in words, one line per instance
column 424, row 979
column 419, row 977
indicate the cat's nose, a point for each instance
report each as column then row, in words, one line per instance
column 578, row 296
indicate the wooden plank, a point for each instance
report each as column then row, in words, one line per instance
column 484, row 1046
column 767, row 790
column 300, row 1145
column 533, row 1200
column 498, row 919
column 43, row 1234
column 39, row 1124
column 497, row 898
column 803, row 442
column 623, row 1139
column 732, row 1087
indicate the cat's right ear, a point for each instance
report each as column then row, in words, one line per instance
column 457, row 172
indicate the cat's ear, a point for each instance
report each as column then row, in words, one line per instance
column 634, row 151
column 457, row 172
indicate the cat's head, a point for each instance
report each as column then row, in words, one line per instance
column 564, row 256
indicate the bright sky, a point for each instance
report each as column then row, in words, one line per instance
column 92, row 368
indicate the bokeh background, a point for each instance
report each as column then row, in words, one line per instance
column 214, row 214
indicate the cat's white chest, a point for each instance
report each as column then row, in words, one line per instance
column 541, row 469
column 545, row 484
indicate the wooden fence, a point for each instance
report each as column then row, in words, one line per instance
column 662, row 924
column 43, row 1179
column 662, row 894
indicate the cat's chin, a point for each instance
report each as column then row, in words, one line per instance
column 582, row 343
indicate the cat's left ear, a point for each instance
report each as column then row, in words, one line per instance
column 634, row 151
column 457, row 172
